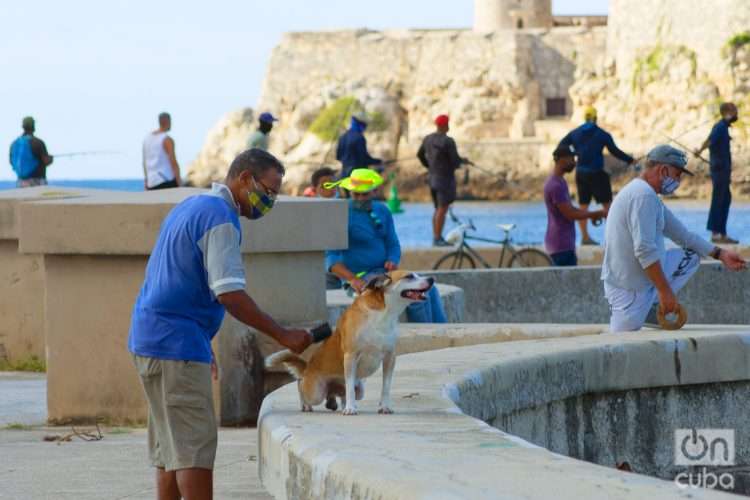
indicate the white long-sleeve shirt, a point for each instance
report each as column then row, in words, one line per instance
column 637, row 223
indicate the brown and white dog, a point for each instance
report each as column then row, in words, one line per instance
column 365, row 337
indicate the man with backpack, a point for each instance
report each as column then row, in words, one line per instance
column 29, row 157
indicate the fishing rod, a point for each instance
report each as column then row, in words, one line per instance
column 86, row 153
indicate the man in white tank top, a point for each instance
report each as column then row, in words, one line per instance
column 160, row 168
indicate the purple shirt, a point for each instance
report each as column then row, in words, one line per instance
column 561, row 232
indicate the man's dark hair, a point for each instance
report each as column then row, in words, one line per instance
column 320, row 173
column 163, row 117
column 726, row 107
column 256, row 161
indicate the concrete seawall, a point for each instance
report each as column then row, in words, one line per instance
column 575, row 295
column 438, row 444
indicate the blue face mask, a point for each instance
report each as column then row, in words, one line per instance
column 669, row 185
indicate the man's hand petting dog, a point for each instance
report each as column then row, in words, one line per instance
column 297, row 340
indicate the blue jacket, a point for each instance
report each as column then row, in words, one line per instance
column 351, row 150
column 719, row 140
column 589, row 141
column 372, row 242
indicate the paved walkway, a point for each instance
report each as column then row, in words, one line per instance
column 114, row 468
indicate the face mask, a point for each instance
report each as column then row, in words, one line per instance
column 669, row 185
column 260, row 203
column 363, row 205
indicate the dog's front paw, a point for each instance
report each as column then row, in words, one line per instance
column 349, row 411
column 307, row 408
column 385, row 410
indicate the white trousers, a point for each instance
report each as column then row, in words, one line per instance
column 629, row 308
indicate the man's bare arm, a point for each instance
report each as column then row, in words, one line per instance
column 169, row 148
column 573, row 213
column 240, row 305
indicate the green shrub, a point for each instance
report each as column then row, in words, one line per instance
column 331, row 121
column 30, row 364
column 739, row 40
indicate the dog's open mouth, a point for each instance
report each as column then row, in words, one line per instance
column 416, row 295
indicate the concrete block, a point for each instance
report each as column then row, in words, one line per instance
column 576, row 295
column 95, row 254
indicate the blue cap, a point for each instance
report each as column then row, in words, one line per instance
column 664, row 153
column 267, row 117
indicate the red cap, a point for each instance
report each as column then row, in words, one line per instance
column 442, row 120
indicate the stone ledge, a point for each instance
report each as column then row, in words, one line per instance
column 132, row 221
column 430, row 449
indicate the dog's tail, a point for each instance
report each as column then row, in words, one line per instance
column 293, row 363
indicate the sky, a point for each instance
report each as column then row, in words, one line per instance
column 95, row 74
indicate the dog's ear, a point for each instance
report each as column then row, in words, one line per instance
column 378, row 282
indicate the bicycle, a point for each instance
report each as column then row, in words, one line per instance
column 465, row 257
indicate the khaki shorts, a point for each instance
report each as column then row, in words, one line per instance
column 181, row 421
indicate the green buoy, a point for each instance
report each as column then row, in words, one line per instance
column 393, row 203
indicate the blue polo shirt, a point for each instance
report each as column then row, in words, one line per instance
column 196, row 258
column 719, row 146
column 372, row 240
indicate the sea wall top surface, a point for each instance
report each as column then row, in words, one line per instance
column 11, row 198
column 431, row 449
column 126, row 223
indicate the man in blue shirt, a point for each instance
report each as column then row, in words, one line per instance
column 351, row 150
column 373, row 246
column 721, row 173
column 589, row 141
column 194, row 274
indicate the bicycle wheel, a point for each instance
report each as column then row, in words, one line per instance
column 530, row 257
column 455, row 260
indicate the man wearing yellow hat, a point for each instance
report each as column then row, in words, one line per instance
column 592, row 181
column 373, row 245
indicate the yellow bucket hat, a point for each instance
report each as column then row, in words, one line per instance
column 361, row 180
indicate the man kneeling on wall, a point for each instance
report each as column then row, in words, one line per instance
column 638, row 272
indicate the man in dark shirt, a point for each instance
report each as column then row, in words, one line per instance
column 439, row 155
column 718, row 143
column 589, row 141
column 352, row 147
column 38, row 176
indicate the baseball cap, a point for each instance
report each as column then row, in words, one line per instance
column 664, row 153
column 442, row 120
column 267, row 117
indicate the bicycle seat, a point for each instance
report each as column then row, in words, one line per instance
column 507, row 227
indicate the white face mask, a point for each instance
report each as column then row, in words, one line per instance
column 669, row 185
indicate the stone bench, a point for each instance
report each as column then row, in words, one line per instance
column 445, row 439
column 452, row 298
column 22, row 276
column 95, row 250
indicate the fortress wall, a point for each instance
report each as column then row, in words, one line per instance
column 703, row 26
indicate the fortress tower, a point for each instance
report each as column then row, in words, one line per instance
column 492, row 15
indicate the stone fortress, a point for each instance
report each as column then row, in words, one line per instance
column 513, row 86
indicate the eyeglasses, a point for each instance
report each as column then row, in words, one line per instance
column 269, row 192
